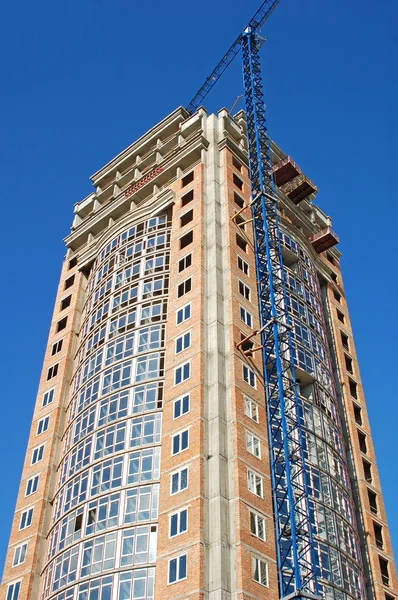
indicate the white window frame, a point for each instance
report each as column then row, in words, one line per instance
column 251, row 409
column 52, row 371
column 178, row 514
column 253, row 444
column 246, row 290
column 44, row 422
column 21, row 550
column 183, row 258
column 25, row 512
column 248, row 320
column 256, row 564
column 13, row 595
column 183, row 308
column 250, row 473
column 179, row 483
column 55, row 344
column 246, row 378
column 184, row 283
column 183, row 337
column 34, row 478
column 180, row 399
column 40, row 454
column 257, row 518
column 188, row 362
column 179, row 435
column 246, row 265
column 178, row 579
column 47, row 393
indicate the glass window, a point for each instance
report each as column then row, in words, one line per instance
column 153, row 311
column 246, row 317
column 249, row 376
column 182, row 373
column 255, row 483
column 57, row 347
column 116, row 377
column 110, row 440
column 244, row 290
column 184, row 263
column 155, row 264
column 251, row 409
column 37, row 454
column 141, row 504
column 147, row 397
column 155, row 287
column 137, row 584
column 138, row 545
column 113, row 408
column 13, row 591
column 144, row 466
column 183, row 342
column 26, row 519
column 48, row 397
column 181, row 406
column 257, row 525
column 107, row 475
column 150, row 338
column 179, row 480
column 52, row 371
column 177, row 568
column 98, row 554
column 145, row 430
column 184, row 287
column 260, row 571
column 31, row 485
column 95, row 589
column 122, row 322
column 42, row 425
column 65, row 568
column 243, row 266
column 253, row 444
column 19, row 555
column 178, row 523
column 183, row 313
column 179, row 442
column 75, row 491
column 148, row 367
column 103, row 513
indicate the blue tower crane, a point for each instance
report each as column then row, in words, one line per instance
column 295, row 549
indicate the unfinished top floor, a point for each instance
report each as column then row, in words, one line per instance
column 169, row 151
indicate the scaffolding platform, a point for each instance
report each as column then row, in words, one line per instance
column 323, row 240
column 284, row 171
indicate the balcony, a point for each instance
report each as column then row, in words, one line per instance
column 284, row 171
column 323, row 240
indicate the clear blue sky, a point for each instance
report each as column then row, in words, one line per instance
column 83, row 79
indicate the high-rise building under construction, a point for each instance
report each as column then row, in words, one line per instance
column 147, row 473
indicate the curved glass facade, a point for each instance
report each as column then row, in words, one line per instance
column 337, row 548
column 102, row 542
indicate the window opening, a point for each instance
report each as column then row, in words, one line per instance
column 186, row 218
column 186, row 198
column 66, row 302
column 186, row 239
column 237, row 181
column 241, row 243
column 69, row 282
column 187, row 179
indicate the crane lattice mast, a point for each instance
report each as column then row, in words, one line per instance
column 295, row 548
